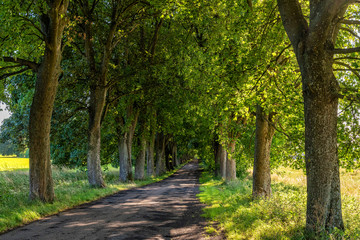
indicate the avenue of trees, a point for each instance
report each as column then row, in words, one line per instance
column 145, row 85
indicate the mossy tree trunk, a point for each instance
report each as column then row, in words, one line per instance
column 125, row 143
column 150, row 158
column 230, row 162
column 263, row 138
column 53, row 23
column 313, row 45
column 160, row 153
column 141, row 157
column 223, row 160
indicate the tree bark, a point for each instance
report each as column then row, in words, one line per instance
column 98, row 86
column 174, row 155
column 263, row 138
column 125, row 146
column 123, row 158
column 168, row 161
column 160, row 152
column 217, row 156
column 130, row 142
column 231, row 163
column 313, row 45
column 140, row 159
column 97, row 103
column 150, row 158
column 323, row 182
column 223, row 161
column 40, row 175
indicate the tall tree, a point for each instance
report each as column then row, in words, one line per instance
column 313, row 42
column 99, row 44
column 53, row 23
column 52, row 18
column 127, row 130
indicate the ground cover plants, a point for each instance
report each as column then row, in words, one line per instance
column 71, row 189
column 280, row 217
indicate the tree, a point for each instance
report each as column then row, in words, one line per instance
column 53, row 23
column 263, row 137
column 313, row 44
column 99, row 44
column 51, row 16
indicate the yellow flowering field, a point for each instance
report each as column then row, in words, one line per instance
column 9, row 163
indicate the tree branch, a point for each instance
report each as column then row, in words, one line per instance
column 34, row 25
column 274, row 126
column 33, row 65
column 76, row 101
column 344, row 58
column 13, row 66
column 6, row 75
column 322, row 14
column 348, row 68
column 350, row 95
column 350, row 22
column 346, row 50
column 350, row 31
column 293, row 20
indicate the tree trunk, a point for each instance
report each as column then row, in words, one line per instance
column 130, row 143
column 97, row 103
column 322, row 167
column 41, row 183
column 263, row 138
column 169, row 156
column 98, row 88
column 217, row 157
column 140, row 159
column 313, row 45
column 174, row 155
column 231, row 163
column 125, row 146
column 150, row 158
column 123, row 158
column 223, row 161
column 160, row 152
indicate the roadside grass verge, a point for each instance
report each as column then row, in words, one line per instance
column 71, row 189
column 281, row 217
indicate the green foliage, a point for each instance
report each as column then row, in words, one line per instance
column 14, row 130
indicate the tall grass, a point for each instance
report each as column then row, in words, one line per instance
column 281, row 217
column 71, row 189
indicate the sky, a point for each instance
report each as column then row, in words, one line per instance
column 3, row 112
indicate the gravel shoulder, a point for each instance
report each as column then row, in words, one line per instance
column 164, row 210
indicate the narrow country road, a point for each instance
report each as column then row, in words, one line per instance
column 165, row 210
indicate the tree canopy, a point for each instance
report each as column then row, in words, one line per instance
column 157, row 81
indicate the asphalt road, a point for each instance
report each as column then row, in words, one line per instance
column 165, row 210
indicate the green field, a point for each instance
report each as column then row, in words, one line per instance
column 281, row 217
column 9, row 163
column 71, row 189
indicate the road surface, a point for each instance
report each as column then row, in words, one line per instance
column 165, row 210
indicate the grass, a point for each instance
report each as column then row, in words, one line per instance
column 281, row 217
column 71, row 189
